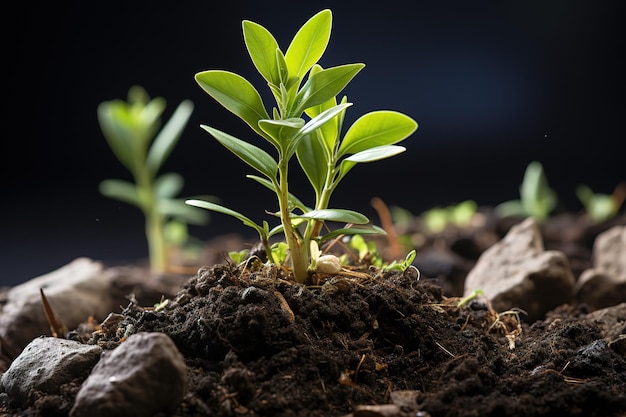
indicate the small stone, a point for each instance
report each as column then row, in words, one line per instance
column 44, row 365
column 143, row 376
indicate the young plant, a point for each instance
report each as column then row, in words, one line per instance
column 599, row 207
column 301, row 88
column 537, row 199
column 438, row 218
column 131, row 129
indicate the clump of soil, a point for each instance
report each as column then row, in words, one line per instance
column 257, row 344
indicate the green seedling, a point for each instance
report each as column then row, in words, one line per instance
column 472, row 296
column 438, row 218
column 599, row 207
column 537, row 199
column 306, row 123
column 132, row 130
column 404, row 265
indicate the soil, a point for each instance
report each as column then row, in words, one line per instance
column 374, row 343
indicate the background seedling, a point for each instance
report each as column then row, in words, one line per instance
column 437, row 219
column 537, row 199
column 315, row 141
column 600, row 207
column 131, row 129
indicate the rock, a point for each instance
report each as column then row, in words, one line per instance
column 143, row 376
column 517, row 272
column 45, row 365
column 612, row 321
column 604, row 285
column 75, row 291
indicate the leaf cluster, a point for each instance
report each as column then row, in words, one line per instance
column 306, row 122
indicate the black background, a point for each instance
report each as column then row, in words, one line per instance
column 492, row 84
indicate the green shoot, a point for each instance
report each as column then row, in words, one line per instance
column 404, row 265
column 437, row 219
column 599, row 207
column 132, row 131
column 472, row 296
column 537, row 199
column 306, row 122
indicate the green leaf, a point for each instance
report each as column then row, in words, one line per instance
column 118, row 137
column 236, row 94
column 120, row 190
column 312, row 158
column 324, row 85
column 281, row 130
column 262, row 47
column 221, row 209
column 169, row 135
column 335, row 215
column 367, row 230
column 168, row 185
column 309, row 44
column 186, row 213
column 257, row 158
column 537, row 198
column 377, row 128
column 368, row 155
column 314, row 124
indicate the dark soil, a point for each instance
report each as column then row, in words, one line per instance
column 256, row 344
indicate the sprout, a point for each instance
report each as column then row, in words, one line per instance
column 306, row 122
column 132, row 131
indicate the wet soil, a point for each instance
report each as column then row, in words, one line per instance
column 376, row 343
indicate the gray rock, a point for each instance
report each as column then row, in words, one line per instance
column 517, row 272
column 46, row 364
column 75, row 292
column 612, row 321
column 604, row 285
column 143, row 376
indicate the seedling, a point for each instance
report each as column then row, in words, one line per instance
column 537, row 199
column 599, row 207
column 132, row 131
column 324, row 157
column 438, row 218
column 403, row 266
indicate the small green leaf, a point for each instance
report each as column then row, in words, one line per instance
column 367, row 230
column 309, row 44
column 312, row 158
column 315, row 123
column 257, row 158
column 221, row 209
column 262, row 48
column 186, row 213
column 377, row 128
column 169, row 135
column 118, row 137
column 120, row 190
column 281, row 130
column 369, row 155
column 324, row 85
column 236, row 94
column 335, row 215
column 168, row 185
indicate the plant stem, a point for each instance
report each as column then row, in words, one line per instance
column 156, row 241
column 157, row 252
column 299, row 252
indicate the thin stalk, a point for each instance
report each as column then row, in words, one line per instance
column 299, row 252
column 157, row 252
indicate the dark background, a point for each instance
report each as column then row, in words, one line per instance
column 493, row 85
